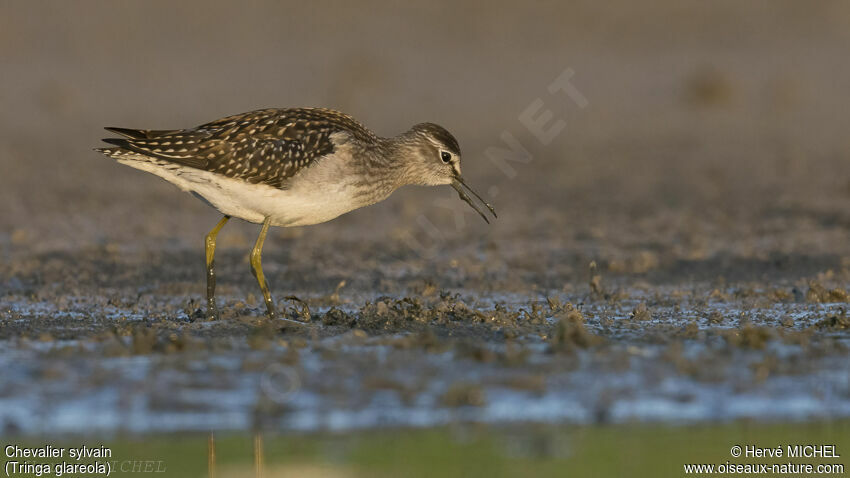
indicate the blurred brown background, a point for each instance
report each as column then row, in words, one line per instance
column 702, row 116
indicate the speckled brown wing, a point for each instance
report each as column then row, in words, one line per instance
column 263, row 147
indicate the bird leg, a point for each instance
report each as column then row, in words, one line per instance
column 209, row 243
column 257, row 268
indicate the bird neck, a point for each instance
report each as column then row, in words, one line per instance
column 389, row 164
column 404, row 155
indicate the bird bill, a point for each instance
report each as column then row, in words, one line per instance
column 459, row 184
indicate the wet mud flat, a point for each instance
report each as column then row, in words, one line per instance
column 85, row 348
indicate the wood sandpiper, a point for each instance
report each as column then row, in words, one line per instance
column 290, row 167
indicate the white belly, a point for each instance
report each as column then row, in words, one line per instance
column 302, row 204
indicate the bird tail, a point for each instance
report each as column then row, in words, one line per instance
column 141, row 133
column 122, row 151
column 117, row 153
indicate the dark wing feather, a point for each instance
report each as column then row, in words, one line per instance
column 140, row 133
column 265, row 146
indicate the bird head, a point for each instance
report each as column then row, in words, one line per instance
column 434, row 159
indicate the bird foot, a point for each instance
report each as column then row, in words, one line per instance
column 271, row 312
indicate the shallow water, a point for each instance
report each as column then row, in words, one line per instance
column 501, row 361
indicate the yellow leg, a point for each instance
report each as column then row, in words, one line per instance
column 211, row 456
column 258, row 455
column 209, row 242
column 257, row 268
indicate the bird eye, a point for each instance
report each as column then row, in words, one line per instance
column 446, row 156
